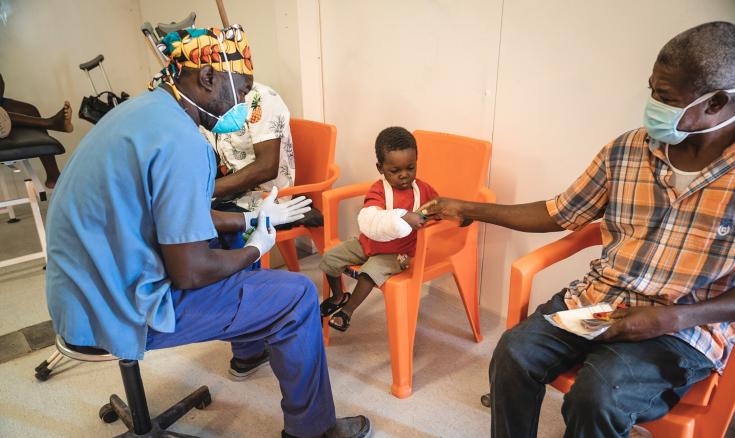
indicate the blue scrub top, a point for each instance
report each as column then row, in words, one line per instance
column 142, row 177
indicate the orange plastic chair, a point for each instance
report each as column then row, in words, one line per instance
column 704, row 412
column 314, row 144
column 456, row 167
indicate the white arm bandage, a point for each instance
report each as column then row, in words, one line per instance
column 383, row 225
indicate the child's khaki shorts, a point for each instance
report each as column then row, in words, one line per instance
column 378, row 267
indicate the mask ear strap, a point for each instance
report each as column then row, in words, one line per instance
column 198, row 107
column 719, row 125
column 707, row 96
column 229, row 72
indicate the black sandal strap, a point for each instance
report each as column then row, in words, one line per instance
column 345, row 321
column 328, row 308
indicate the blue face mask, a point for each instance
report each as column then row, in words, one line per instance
column 234, row 119
column 661, row 120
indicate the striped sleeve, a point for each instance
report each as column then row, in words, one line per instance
column 585, row 200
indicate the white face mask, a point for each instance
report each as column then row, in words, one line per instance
column 661, row 120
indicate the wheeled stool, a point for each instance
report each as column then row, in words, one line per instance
column 135, row 413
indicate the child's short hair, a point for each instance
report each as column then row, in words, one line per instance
column 394, row 138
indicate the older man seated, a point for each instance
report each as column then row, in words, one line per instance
column 666, row 196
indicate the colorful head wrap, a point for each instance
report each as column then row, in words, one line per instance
column 194, row 48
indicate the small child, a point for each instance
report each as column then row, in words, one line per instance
column 388, row 222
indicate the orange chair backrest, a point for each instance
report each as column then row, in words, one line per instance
column 313, row 148
column 455, row 166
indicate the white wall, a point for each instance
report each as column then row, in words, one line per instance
column 420, row 64
column 271, row 29
column 571, row 75
column 44, row 41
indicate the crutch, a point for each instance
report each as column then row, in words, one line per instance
column 222, row 13
column 89, row 65
column 163, row 29
column 147, row 30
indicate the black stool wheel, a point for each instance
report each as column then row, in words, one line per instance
column 206, row 401
column 108, row 414
column 485, row 400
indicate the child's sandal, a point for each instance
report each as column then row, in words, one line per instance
column 345, row 321
column 328, row 308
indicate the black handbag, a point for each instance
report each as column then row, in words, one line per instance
column 93, row 107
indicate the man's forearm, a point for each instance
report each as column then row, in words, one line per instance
column 194, row 265
column 220, row 264
column 533, row 217
column 244, row 179
column 228, row 222
column 718, row 309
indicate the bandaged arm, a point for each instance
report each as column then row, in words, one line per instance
column 383, row 225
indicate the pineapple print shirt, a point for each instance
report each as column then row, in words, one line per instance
column 267, row 120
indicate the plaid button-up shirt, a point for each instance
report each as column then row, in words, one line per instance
column 658, row 247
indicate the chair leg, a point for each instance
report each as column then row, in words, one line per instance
column 122, row 410
column 135, row 394
column 401, row 309
column 43, row 371
column 317, row 236
column 6, row 197
column 265, row 261
column 287, row 249
column 465, row 274
column 199, row 399
column 40, row 230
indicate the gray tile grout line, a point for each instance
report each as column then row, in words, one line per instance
column 28, row 345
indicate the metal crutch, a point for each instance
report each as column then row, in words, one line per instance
column 89, row 65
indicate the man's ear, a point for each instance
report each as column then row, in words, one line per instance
column 205, row 77
column 379, row 167
column 717, row 102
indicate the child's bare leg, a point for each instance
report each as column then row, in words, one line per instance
column 363, row 288
column 335, row 285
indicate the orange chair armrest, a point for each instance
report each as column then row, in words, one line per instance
column 315, row 187
column 339, row 194
column 487, row 195
column 434, row 227
column 330, row 204
column 554, row 252
column 525, row 268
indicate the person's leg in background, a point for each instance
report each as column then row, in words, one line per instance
column 277, row 309
column 625, row 383
column 526, row 358
column 25, row 114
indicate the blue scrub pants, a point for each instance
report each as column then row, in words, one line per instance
column 254, row 310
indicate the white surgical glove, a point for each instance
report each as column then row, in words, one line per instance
column 280, row 213
column 263, row 238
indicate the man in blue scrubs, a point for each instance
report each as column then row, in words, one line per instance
column 130, row 267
